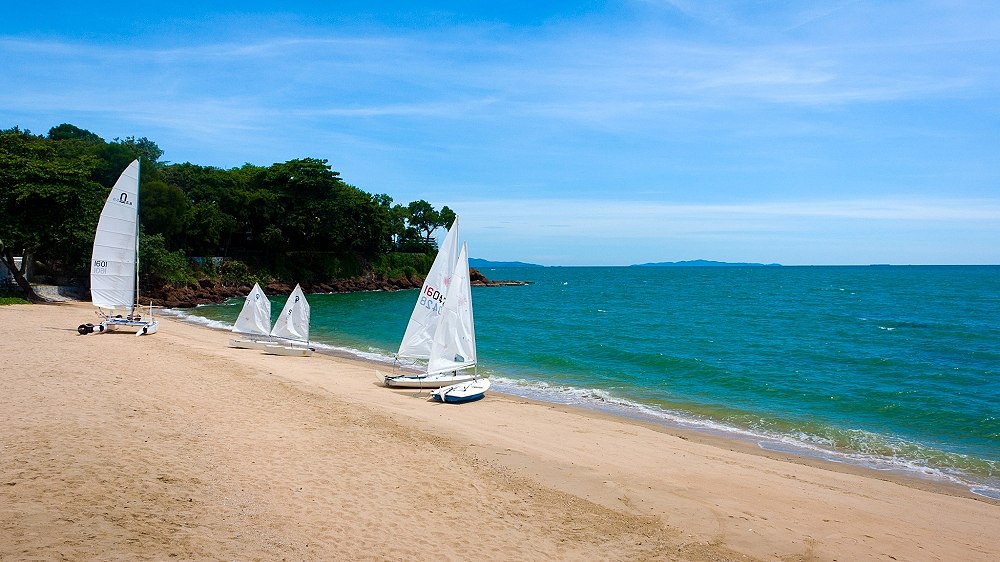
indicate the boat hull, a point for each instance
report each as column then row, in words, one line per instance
column 462, row 392
column 114, row 324
column 249, row 344
column 289, row 351
column 425, row 381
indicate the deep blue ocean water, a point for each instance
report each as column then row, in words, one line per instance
column 894, row 368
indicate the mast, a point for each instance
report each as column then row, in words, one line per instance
column 135, row 305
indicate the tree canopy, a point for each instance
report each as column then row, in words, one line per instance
column 295, row 220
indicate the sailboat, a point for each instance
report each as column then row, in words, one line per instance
column 254, row 321
column 114, row 264
column 453, row 344
column 293, row 327
column 416, row 343
column 467, row 391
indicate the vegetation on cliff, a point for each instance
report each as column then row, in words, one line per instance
column 295, row 221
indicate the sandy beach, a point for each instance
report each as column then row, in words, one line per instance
column 177, row 447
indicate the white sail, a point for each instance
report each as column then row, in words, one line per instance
column 416, row 342
column 114, row 262
column 255, row 318
column 453, row 345
column 293, row 323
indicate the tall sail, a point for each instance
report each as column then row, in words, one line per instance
column 114, row 261
column 416, row 342
column 453, row 345
column 293, row 323
column 255, row 318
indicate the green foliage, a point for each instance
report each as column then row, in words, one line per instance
column 8, row 296
column 236, row 273
column 48, row 200
column 297, row 220
column 159, row 263
column 397, row 265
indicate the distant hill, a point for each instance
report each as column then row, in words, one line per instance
column 704, row 263
column 480, row 263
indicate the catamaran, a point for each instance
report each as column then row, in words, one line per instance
column 254, row 321
column 453, row 343
column 292, row 326
column 114, row 264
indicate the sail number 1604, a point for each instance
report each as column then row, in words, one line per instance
column 432, row 299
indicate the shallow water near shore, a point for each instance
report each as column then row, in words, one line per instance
column 892, row 368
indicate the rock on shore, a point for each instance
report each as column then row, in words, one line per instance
column 210, row 292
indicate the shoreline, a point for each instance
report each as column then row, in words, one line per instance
column 311, row 459
column 676, row 424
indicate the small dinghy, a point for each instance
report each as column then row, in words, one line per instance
column 452, row 343
column 292, row 326
column 462, row 392
column 254, row 322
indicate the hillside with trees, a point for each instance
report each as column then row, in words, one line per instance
column 206, row 229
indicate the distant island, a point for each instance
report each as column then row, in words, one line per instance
column 480, row 263
column 704, row 263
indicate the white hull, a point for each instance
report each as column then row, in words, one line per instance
column 462, row 392
column 249, row 344
column 291, row 351
column 424, row 381
column 114, row 324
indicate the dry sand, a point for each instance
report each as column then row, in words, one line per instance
column 176, row 447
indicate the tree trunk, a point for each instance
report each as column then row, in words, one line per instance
column 29, row 292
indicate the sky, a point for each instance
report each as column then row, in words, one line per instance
column 567, row 133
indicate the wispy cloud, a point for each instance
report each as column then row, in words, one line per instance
column 846, row 232
column 557, row 122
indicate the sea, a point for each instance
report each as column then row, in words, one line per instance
column 892, row 368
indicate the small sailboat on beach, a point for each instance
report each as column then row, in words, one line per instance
column 468, row 391
column 416, row 342
column 453, row 344
column 292, row 326
column 254, row 321
column 114, row 264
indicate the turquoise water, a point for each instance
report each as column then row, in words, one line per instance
column 895, row 368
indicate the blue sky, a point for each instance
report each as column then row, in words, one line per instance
column 568, row 133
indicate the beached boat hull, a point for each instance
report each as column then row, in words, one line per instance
column 114, row 324
column 423, row 381
column 249, row 344
column 290, row 351
column 462, row 392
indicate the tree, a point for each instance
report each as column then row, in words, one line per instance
column 447, row 217
column 424, row 218
column 49, row 203
column 72, row 132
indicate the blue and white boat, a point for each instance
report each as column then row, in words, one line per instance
column 468, row 391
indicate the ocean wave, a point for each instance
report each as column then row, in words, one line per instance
column 853, row 447
column 195, row 319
